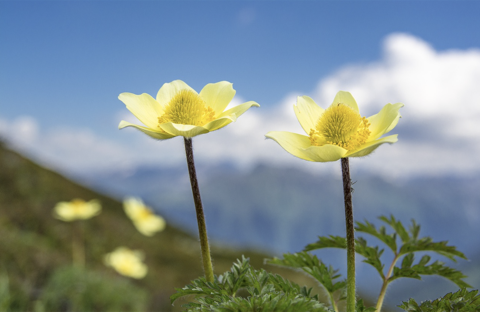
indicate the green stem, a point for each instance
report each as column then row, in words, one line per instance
column 383, row 291
column 347, row 195
column 78, row 244
column 332, row 300
column 202, row 228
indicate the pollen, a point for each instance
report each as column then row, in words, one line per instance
column 342, row 126
column 187, row 108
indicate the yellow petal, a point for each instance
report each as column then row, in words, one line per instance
column 307, row 112
column 168, row 90
column 143, row 106
column 294, row 143
column 384, row 121
column 218, row 95
column 219, row 123
column 371, row 146
column 238, row 110
column 150, row 132
column 187, row 131
column 346, row 98
column 151, row 225
column 325, row 153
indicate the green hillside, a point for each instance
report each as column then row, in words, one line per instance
column 34, row 246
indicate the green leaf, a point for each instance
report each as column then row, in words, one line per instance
column 422, row 268
column 426, row 244
column 228, row 283
column 460, row 301
column 414, row 230
column 360, row 307
column 327, row 242
column 372, row 254
column 310, row 264
column 397, row 227
column 267, row 292
column 369, row 228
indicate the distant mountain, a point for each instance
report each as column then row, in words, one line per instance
column 283, row 209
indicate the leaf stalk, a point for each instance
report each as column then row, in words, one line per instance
column 383, row 291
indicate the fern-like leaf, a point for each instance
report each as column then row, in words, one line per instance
column 460, row 301
column 408, row 269
column 389, row 239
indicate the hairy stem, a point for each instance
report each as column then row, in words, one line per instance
column 202, row 228
column 383, row 291
column 347, row 195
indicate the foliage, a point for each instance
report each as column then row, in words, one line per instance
column 403, row 243
column 310, row 264
column 73, row 288
column 264, row 292
column 460, row 301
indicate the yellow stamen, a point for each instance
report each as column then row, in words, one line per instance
column 342, row 126
column 187, row 108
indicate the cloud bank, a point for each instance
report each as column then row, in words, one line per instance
column 438, row 133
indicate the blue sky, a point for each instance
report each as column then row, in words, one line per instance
column 64, row 63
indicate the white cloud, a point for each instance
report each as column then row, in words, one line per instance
column 22, row 130
column 438, row 133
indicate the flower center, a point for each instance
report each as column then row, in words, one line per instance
column 144, row 214
column 342, row 126
column 78, row 205
column 187, row 108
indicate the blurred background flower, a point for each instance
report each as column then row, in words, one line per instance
column 77, row 209
column 127, row 262
column 143, row 217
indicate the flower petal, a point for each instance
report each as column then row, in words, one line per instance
column 371, row 146
column 168, row 90
column 325, row 153
column 187, row 131
column 218, row 95
column 220, row 122
column 238, row 110
column 346, row 98
column 294, row 143
column 307, row 112
column 150, row 132
column 384, row 121
column 144, row 107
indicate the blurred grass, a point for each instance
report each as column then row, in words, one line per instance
column 35, row 250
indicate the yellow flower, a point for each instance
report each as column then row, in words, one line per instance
column 337, row 132
column 77, row 209
column 179, row 110
column 143, row 217
column 127, row 262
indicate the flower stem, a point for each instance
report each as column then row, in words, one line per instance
column 78, row 244
column 202, row 228
column 347, row 194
